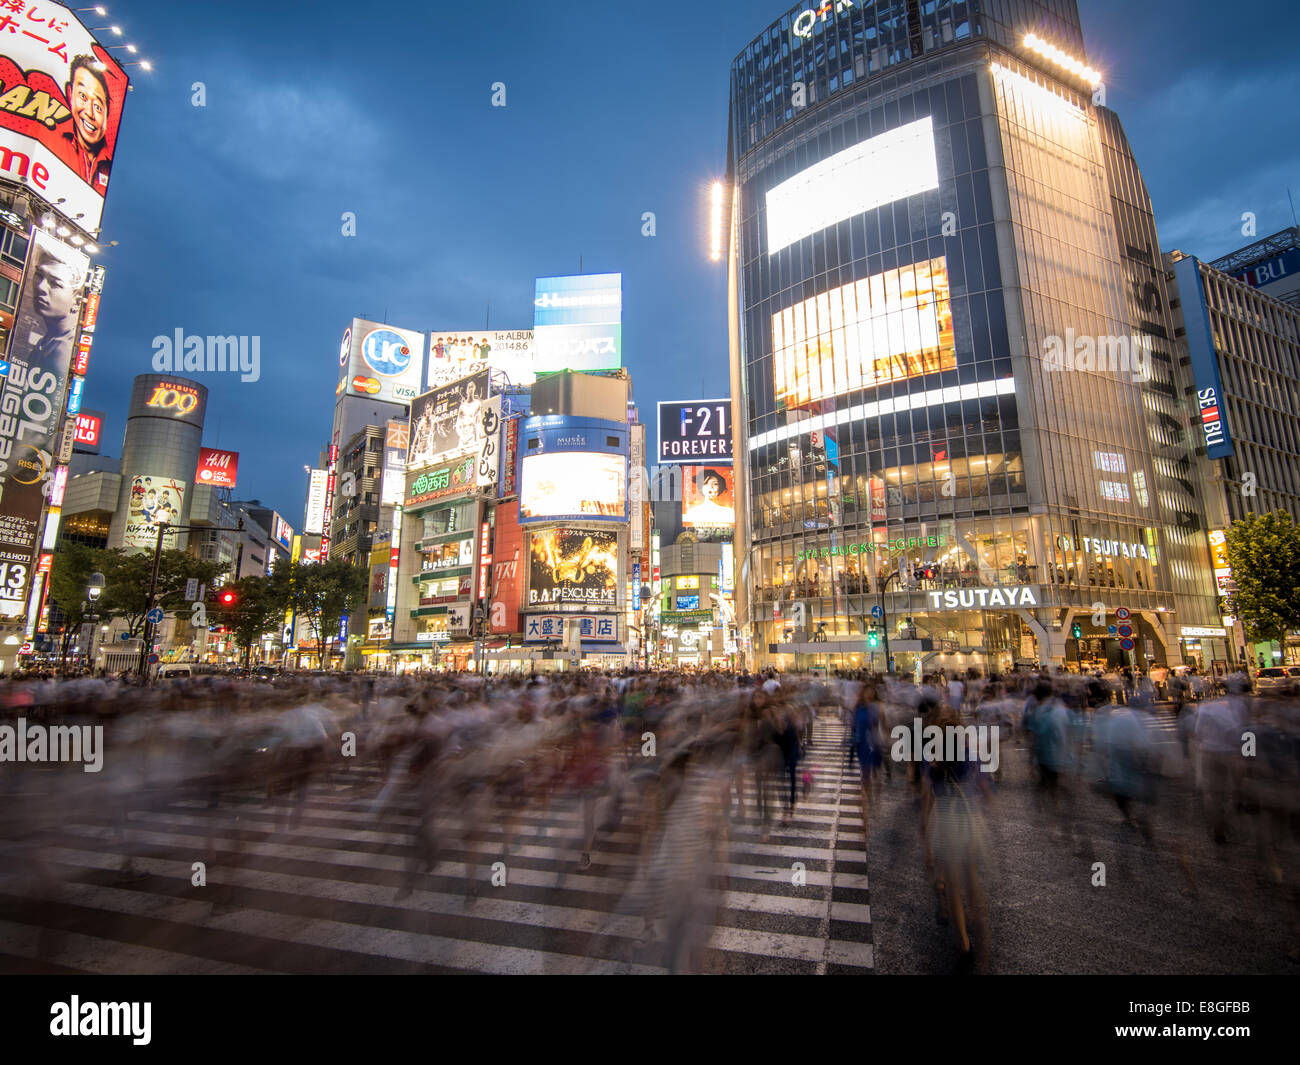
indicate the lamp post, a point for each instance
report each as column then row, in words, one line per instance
column 146, row 641
column 94, row 589
column 884, row 615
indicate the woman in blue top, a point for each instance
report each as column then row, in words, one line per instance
column 868, row 742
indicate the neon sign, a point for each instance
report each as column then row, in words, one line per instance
column 805, row 21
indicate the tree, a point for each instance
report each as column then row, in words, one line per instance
column 1264, row 552
column 69, row 576
column 129, row 576
column 260, row 604
column 323, row 593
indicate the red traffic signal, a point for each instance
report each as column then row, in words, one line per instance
column 228, row 598
column 929, row 573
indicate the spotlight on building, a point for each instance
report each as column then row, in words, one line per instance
column 715, row 221
column 1062, row 59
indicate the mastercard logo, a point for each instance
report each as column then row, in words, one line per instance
column 368, row 385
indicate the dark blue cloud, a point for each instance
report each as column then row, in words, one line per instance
column 228, row 217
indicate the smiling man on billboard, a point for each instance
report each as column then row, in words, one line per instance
column 91, row 105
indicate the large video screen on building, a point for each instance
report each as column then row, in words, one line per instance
column 573, row 566
column 708, row 497
column 864, row 176
column 60, row 109
column 447, row 421
column 867, row 174
column 886, row 327
column 573, row 484
column 577, row 322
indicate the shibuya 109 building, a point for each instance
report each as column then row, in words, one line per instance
column 962, row 426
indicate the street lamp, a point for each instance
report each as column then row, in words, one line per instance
column 94, row 589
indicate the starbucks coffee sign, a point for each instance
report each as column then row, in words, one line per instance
column 984, row 598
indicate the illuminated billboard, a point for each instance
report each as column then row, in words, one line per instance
column 314, row 523
column 696, row 431
column 217, row 468
column 573, row 484
column 866, row 175
column 1201, row 350
column 442, row 483
column 32, row 401
column 708, row 497
column 447, row 422
column 281, row 532
column 89, row 428
column 154, row 501
column 573, row 566
column 572, row 468
column 886, row 327
column 60, row 110
column 577, row 322
column 381, row 362
column 456, row 355
column 173, row 398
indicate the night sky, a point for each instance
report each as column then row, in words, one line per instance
column 228, row 216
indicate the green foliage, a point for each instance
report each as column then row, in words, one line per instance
column 259, row 607
column 129, row 575
column 1264, row 552
column 69, row 576
column 323, row 593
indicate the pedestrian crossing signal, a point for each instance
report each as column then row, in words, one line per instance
column 1076, row 631
column 873, row 639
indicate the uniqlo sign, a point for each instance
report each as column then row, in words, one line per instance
column 88, row 428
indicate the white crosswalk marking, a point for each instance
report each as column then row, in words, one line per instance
column 323, row 896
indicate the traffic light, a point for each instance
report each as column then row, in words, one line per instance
column 873, row 638
column 1076, row 630
column 928, row 572
column 228, row 598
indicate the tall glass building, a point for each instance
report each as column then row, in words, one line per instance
column 959, row 400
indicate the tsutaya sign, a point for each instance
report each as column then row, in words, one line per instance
column 1114, row 548
column 806, row 20
column 983, row 598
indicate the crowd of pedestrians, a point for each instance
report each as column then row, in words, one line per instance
column 462, row 765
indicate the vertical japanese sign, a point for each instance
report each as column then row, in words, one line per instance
column 489, row 457
column 40, row 351
column 636, row 488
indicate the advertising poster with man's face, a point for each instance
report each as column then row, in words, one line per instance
column 154, row 501
column 573, row 566
column 708, row 500
column 60, row 108
column 40, row 351
column 448, row 422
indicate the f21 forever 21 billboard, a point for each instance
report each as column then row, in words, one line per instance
column 40, row 351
